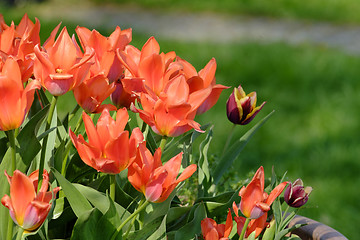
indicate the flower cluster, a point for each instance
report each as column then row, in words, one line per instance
column 128, row 176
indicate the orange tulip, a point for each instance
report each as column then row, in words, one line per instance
column 92, row 92
column 254, row 201
column 109, row 149
column 19, row 41
column 255, row 225
column 106, row 62
column 173, row 112
column 15, row 101
column 61, row 66
column 147, row 70
column 156, row 181
column 213, row 231
column 204, row 79
column 28, row 207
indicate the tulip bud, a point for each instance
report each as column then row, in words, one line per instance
column 241, row 108
column 296, row 195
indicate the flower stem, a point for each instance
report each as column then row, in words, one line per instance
column 43, row 150
column 11, row 137
column 10, row 228
column 163, row 143
column 243, row 231
column 68, row 145
column 112, row 186
column 134, row 214
column 228, row 140
column 20, row 234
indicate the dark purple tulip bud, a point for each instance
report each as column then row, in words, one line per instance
column 241, row 108
column 296, row 195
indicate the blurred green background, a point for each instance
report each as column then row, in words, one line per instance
column 315, row 91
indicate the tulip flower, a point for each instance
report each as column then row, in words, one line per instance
column 106, row 61
column 172, row 114
column 60, row 66
column 254, row 201
column 241, row 108
column 255, row 225
column 156, row 181
column 29, row 207
column 296, row 195
column 204, row 79
column 92, row 92
column 109, row 149
column 15, row 101
column 121, row 98
column 213, row 231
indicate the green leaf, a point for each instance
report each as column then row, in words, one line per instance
column 282, row 233
column 27, row 138
column 78, row 202
column 160, row 233
column 147, row 230
column 193, row 227
column 204, row 177
column 86, row 225
column 233, row 152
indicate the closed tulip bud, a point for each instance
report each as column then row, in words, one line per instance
column 241, row 108
column 296, row 195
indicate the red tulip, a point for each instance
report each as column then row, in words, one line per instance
column 15, row 101
column 61, row 66
column 28, row 207
column 241, row 108
column 254, row 201
column 156, row 181
column 213, row 231
column 109, row 149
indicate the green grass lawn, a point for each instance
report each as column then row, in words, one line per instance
column 324, row 10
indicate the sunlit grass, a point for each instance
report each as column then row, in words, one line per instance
column 324, row 10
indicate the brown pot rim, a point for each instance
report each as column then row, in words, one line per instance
column 315, row 230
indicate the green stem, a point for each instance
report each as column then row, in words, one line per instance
column 68, row 145
column 11, row 137
column 112, row 186
column 163, row 143
column 10, row 228
column 20, row 234
column 243, row 231
column 134, row 214
column 43, row 150
column 228, row 140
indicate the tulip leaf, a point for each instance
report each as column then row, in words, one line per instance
column 177, row 213
column 282, row 233
column 233, row 152
column 86, row 225
column 4, row 212
column 29, row 143
column 148, row 230
column 78, row 202
column 99, row 200
column 160, row 233
column 193, row 227
column 204, row 177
